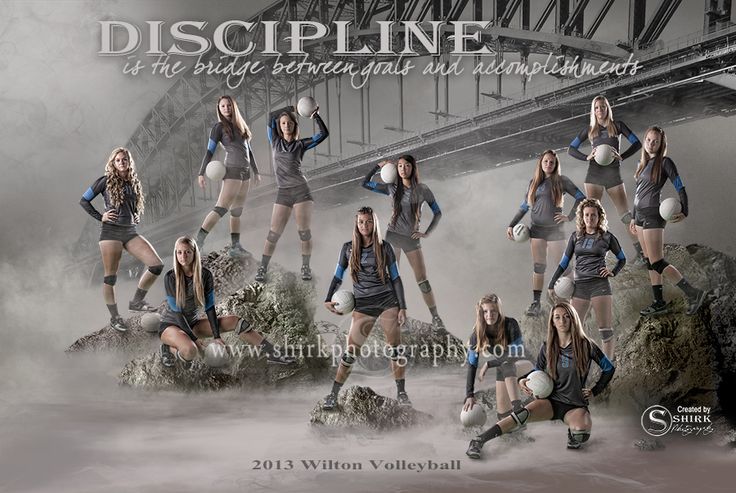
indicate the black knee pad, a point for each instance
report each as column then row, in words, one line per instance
column 626, row 218
column 110, row 280
column 220, row 211
column 424, row 286
column 500, row 416
column 348, row 359
column 520, row 418
column 660, row 265
column 273, row 237
column 156, row 270
column 580, row 436
column 243, row 326
column 606, row 334
column 236, row 211
column 305, row 235
column 539, row 268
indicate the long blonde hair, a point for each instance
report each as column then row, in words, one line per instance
column 236, row 120
column 377, row 246
column 481, row 336
column 593, row 131
column 580, row 342
column 181, row 286
column 580, row 223
column 115, row 183
column 554, row 177
column 658, row 158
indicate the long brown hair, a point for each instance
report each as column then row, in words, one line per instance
column 580, row 223
column 658, row 158
column 377, row 246
column 414, row 179
column 555, row 179
column 236, row 120
column 593, row 131
column 481, row 327
column 181, row 286
column 580, row 342
column 115, row 183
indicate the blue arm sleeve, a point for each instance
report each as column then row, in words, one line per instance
column 373, row 186
column 320, row 137
column 573, row 151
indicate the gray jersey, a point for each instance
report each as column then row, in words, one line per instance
column 544, row 208
column 287, row 156
column 190, row 311
column 590, row 256
column 238, row 153
column 126, row 209
column 568, row 385
column 604, row 138
column 648, row 191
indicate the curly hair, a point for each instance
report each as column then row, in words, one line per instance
column 602, row 226
column 115, row 183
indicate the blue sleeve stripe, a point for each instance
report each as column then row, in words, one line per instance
column 172, row 304
column 394, row 271
column 518, row 342
column 211, row 146
column 575, row 143
column 524, row 206
column 579, row 195
column 435, row 208
column 269, row 133
column 89, row 194
column 339, row 272
column 472, row 357
column 372, row 185
column 315, row 140
column 678, row 184
column 606, row 364
column 621, row 255
column 632, row 138
column 209, row 301
column 565, row 261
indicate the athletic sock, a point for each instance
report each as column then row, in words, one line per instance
column 267, row 347
column 201, row 235
column 234, row 238
column 305, row 260
column 336, row 386
column 433, row 311
column 113, row 310
column 537, row 295
column 687, row 288
column 139, row 295
column 400, row 385
column 491, row 433
column 658, row 293
column 637, row 247
column 265, row 259
column 516, row 405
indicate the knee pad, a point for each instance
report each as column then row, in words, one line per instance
column 520, row 418
column 110, row 280
column 273, row 237
column 580, row 436
column 424, row 286
column 539, row 268
column 220, row 211
column 660, row 265
column 236, row 211
column 626, row 218
column 156, row 270
column 305, row 235
column 243, row 326
column 606, row 334
column 348, row 359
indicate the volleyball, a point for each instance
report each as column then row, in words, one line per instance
column 389, row 173
column 669, row 207
column 521, row 233
column 564, row 287
column 476, row 416
column 604, row 154
column 306, row 106
column 215, row 355
column 215, row 170
column 344, row 301
column 540, row 384
column 150, row 322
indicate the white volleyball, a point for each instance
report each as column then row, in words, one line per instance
column 151, row 321
column 604, row 154
column 215, row 170
column 389, row 173
column 521, row 233
column 476, row 416
column 540, row 384
column 306, row 106
column 564, row 287
column 669, row 207
column 344, row 301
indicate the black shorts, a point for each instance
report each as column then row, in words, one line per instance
column 293, row 195
column 164, row 325
column 553, row 232
column 592, row 288
column 115, row 232
column 559, row 409
column 236, row 173
column 405, row 243
column 649, row 218
column 604, row 176
column 373, row 306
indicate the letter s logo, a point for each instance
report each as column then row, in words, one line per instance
column 656, row 421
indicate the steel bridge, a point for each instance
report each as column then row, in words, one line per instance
column 686, row 78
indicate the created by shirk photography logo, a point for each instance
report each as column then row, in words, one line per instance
column 658, row 421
